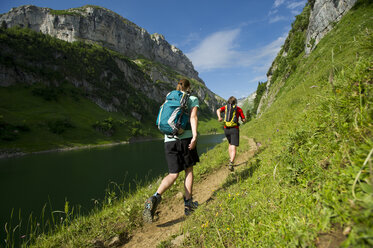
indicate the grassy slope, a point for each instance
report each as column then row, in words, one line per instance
column 27, row 119
column 315, row 138
column 314, row 141
column 20, row 106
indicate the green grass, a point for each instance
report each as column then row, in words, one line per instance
column 312, row 176
column 19, row 106
column 46, row 111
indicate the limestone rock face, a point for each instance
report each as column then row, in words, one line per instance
column 104, row 27
column 324, row 14
column 96, row 25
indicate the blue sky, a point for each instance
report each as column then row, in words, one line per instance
column 231, row 43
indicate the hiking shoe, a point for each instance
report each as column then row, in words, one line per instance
column 150, row 206
column 189, row 206
column 230, row 166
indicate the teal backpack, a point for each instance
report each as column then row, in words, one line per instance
column 173, row 116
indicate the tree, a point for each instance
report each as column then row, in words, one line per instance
column 248, row 115
column 4, row 25
column 259, row 93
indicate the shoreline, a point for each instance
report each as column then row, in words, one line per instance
column 11, row 154
column 14, row 153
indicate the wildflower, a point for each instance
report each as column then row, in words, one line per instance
column 23, row 236
column 205, row 225
column 217, row 213
column 228, row 228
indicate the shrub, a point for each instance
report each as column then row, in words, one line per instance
column 59, row 126
column 105, row 126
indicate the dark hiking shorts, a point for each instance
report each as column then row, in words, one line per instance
column 233, row 135
column 178, row 156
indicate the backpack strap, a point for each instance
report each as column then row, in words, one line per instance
column 184, row 106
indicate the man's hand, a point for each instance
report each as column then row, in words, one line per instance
column 220, row 119
column 193, row 143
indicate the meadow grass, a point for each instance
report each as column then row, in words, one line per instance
column 314, row 174
column 311, row 177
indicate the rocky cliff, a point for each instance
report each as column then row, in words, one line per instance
column 324, row 14
column 162, row 64
column 316, row 20
column 104, row 27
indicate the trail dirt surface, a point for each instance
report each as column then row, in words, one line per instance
column 170, row 213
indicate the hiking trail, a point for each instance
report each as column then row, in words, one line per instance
column 171, row 211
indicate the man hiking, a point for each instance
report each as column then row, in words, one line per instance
column 231, row 127
column 181, row 154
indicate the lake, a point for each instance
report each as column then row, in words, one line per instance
column 79, row 176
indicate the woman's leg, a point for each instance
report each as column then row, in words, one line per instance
column 188, row 182
column 167, row 182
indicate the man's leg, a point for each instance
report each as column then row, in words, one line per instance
column 232, row 152
column 188, row 183
column 167, row 182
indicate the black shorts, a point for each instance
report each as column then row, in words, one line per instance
column 233, row 135
column 178, row 156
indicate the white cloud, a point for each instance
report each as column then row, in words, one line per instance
column 296, row 12
column 277, row 19
column 261, row 78
column 296, row 4
column 278, row 3
column 215, row 51
column 295, row 7
column 272, row 12
column 219, row 50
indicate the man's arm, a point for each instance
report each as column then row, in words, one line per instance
column 243, row 119
column 194, row 125
column 218, row 113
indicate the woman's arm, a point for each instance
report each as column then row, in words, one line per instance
column 194, row 125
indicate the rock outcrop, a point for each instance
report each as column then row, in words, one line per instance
column 324, row 15
column 163, row 63
column 95, row 24
column 322, row 18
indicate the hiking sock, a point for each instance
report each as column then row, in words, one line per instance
column 189, row 206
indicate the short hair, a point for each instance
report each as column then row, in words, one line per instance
column 232, row 100
column 183, row 85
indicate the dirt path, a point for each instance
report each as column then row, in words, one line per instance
column 171, row 212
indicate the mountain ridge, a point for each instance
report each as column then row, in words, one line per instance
column 104, row 27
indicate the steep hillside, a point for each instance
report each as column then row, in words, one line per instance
column 94, row 24
column 48, row 84
column 247, row 103
column 309, row 185
column 316, row 20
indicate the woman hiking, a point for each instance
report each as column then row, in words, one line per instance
column 181, row 155
column 231, row 127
